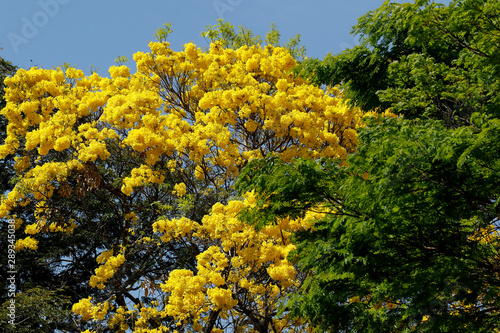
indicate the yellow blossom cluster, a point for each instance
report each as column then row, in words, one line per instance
column 235, row 105
column 106, row 271
column 180, row 189
column 486, row 235
column 141, row 176
column 26, row 243
column 230, row 273
column 118, row 319
column 215, row 109
column 35, row 228
column 87, row 310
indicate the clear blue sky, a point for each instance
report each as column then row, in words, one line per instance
column 48, row 33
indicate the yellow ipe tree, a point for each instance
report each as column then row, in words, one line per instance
column 143, row 166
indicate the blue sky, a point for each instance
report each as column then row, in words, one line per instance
column 48, row 33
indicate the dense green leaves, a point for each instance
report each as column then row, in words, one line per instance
column 406, row 243
column 422, row 60
column 290, row 189
column 38, row 310
column 410, row 237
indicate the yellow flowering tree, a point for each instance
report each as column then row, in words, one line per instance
column 141, row 166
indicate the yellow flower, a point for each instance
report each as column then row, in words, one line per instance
column 32, row 229
column 221, row 298
column 199, row 173
column 26, row 243
column 180, row 189
column 119, row 71
column 83, row 307
column 106, row 271
column 251, row 125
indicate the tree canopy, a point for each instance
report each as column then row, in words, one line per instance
column 134, row 173
column 421, row 59
column 243, row 188
column 407, row 234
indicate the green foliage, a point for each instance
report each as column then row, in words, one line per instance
column 161, row 34
column 121, row 60
column 293, row 44
column 38, row 310
column 6, row 69
column 93, row 69
column 187, row 203
column 421, row 59
column 225, row 33
column 66, row 65
column 282, row 196
column 409, row 241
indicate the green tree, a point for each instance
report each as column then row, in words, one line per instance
column 410, row 238
column 421, row 59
